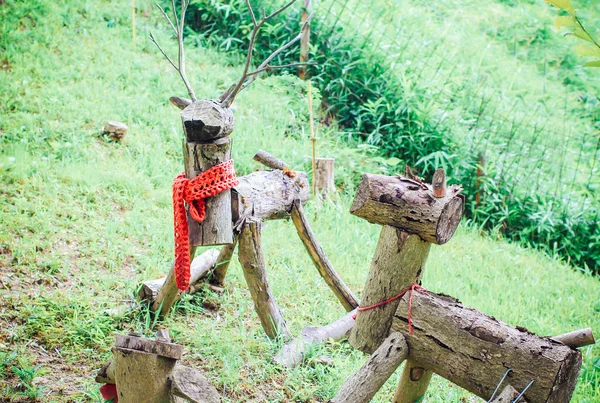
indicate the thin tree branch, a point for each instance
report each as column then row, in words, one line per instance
column 178, row 28
column 281, row 66
column 153, row 39
column 164, row 13
column 247, row 78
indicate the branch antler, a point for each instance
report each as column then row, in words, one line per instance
column 247, row 78
column 177, row 24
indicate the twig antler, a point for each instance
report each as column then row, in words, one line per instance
column 247, row 78
column 177, row 26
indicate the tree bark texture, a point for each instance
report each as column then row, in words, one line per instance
column 409, row 205
column 398, row 263
column 206, row 120
column 322, row 263
column 474, row 350
column 216, row 229
column 268, row 195
column 362, row 386
column 253, row 264
column 413, row 384
column 294, row 352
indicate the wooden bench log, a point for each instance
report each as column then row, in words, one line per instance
column 199, row 269
column 474, row 350
column 294, row 352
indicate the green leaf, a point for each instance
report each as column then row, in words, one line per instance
column 393, row 161
column 580, row 33
column 564, row 21
column 563, row 5
column 595, row 63
column 586, row 50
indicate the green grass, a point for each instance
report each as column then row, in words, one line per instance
column 85, row 220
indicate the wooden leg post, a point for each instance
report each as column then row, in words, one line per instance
column 326, row 270
column 253, row 263
column 413, row 383
column 222, row 263
column 324, row 176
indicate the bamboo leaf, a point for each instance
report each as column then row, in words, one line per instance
column 595, row 63
column 580, row 33
column 586, row 50
column 563, row 5
column 564, row 21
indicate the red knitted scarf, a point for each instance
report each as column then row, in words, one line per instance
column 193, row 192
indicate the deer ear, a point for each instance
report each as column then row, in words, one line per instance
column 180, row 102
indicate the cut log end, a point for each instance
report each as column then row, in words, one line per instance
column 409, row 205
column 115, row 130
column 206, row 120
column 449, row 220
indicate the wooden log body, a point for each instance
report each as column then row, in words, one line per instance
column 293, row 352
column 206, row 120
column 216, row 229
column 199, row 269
column 409, row 205
column 473, row 350
column 324, row 176
column 268, row 195
column 398, row 263
column 253, row 264
column 362, row 386
column 322, row 263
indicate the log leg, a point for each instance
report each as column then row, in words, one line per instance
column 169, row 293
column 413, row 383
column 324, row 180
column 222, row 264
column 253, row 264
column 398, row 263
column 326, row 270
column 362, row 386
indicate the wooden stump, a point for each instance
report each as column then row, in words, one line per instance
column 324, row 176
column 217, row 228
column 473, row 350
column 253, row 263
column 115, row 130
column 363, row 385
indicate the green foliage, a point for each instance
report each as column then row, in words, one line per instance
column 576, row 28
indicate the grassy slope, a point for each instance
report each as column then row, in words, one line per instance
column 85, row 220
